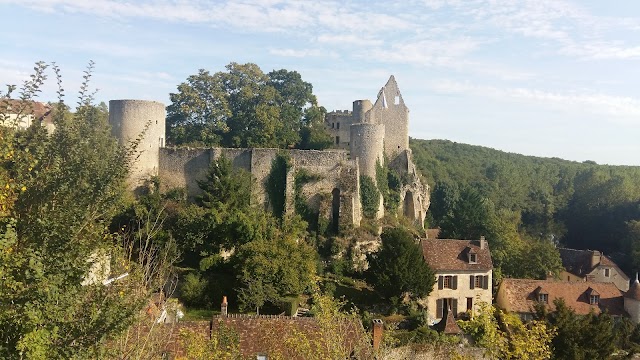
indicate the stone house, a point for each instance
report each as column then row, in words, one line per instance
column 591, row 265
column 521, row 295
column 21, row 114
column 463, row 270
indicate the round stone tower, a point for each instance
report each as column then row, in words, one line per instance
column 360, row 108
column 367, row 144
column 144, row 120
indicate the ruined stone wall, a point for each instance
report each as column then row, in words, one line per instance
column 132, row 119
column 182, row 167
column 391, row 111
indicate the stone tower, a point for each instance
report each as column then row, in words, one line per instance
column 391, row 111
column 144, row 120
column 632, row 301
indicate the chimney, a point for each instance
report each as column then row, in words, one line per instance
column 378, row 328
column 595, row 258
column 223, row 306
column 482, row 243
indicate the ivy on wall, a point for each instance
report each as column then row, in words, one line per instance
column 389, row 184
column 276, row 183
column 369, row 196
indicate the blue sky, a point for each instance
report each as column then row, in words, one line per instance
column 548, row 78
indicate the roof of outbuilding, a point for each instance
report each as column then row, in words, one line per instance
column 449, row 254
column 521, row 295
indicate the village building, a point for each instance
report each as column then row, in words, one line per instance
column 591, row 265
column 521, row 296
column 21, row 114
column 463, row 270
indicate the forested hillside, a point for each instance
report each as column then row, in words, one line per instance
column 579, row 205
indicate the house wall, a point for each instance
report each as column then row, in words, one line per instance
column 620, row 280
column 462, row 292
column 567, row 276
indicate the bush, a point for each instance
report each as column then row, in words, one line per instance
column 290, row 305
column 369, row 196
column 193, row 289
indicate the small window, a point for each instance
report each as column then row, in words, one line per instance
column 337, row 140
column 473, row 258
column 478, row 283
column 447, row 282
column 594, row 299
column 337, row 125
column 469, row 304
column 333, row 125
column 543, row 298
column 606, row 272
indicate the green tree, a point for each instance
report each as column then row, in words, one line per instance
column 55, row 234
column 399, row 267
column 225, row 185
column 244, row 107
column 271, row 268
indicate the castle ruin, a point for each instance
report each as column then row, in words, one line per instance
column 370, row 135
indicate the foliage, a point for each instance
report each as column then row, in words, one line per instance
column 369, row 196
column 389, row 183
column 224, row 344
column 398, row 267
column 55, row 236
column 273, row 267
column 505, row 336
column 276, row 184
column 244, row 107
column 225, row 185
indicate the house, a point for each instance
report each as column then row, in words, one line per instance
column 463, row 272
column 591, row 265
column 21, row 114
column 521, row 295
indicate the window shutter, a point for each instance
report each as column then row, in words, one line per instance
column 439, row 313
column 454, row 280
column 454, row 307
column 472, row 281
column 486, row 282
column 440, row 282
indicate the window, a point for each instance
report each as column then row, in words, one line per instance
column 594, row 299
column 337, row 125
column 469, row 304
column 543, row 298
column 444, row 305
column 478, row 282
column 333, row 125
column 473, row 258
column 337, row 140
column 447, row 282
column 261, row 357
column 607, row 272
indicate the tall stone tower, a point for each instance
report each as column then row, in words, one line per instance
column 143, row 120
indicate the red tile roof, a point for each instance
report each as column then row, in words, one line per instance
column 448, row 325
column 448, row 254
column 521, row 295
column 578, row 262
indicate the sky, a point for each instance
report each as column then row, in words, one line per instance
column 548, row 78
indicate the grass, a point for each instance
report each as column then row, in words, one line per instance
column 192, row 314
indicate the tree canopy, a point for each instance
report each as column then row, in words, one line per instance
column 244, row 107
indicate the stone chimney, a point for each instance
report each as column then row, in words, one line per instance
column 595, row 258
column 223, row 306
column 483, row 243
column 378, row 328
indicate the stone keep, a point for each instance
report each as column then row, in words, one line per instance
column 141, row 120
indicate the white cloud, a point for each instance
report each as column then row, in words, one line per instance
column 302, row 53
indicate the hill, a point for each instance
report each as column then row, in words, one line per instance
column 580, row 205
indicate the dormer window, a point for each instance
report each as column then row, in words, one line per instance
column 607, row 272
column 594, row 297
column 543, row 298
column 472, row 256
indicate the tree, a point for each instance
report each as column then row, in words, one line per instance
column 469, row 218
column 271, row 268
column 399, row 267
column 55, row 240
column 244, row 107
column 225, row 185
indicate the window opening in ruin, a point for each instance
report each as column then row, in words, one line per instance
column 333, row 125
column 337, row 125
column 337, row 140
column 409, row 209
column 335, row 210
column 397, row 100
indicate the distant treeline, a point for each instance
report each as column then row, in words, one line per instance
column 577, row 205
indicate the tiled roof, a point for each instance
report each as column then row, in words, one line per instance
column 448, row 325
column 447, row 254
column 268, row 334
column 578, row 262
column 521, row 295
column 40, row 111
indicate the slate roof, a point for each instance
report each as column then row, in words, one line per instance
column 266, row 334
column 521, row 295
column 449, row 254
column 578, row 262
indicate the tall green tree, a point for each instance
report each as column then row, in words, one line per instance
column 399, row 267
